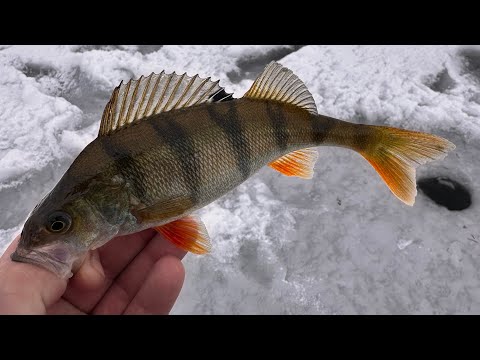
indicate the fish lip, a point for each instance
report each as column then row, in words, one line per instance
column 15, row 256
column 42, row 260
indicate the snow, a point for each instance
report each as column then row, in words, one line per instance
column 340, row 243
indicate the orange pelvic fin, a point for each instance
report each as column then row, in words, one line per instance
column 188, row 233
column 299, row 163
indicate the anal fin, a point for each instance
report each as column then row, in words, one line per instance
column 299, row 163
column 188, row 233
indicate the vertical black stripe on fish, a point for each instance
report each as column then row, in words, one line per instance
column 126, row 165
column 360, row 136
column 178, row 139
column 278, row 122
column 321, row 127
column 230, row 124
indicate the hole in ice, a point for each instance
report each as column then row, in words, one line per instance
column 446, row 192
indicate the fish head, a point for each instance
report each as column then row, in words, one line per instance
column 60, row 231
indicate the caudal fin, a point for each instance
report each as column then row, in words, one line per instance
column 395, row 153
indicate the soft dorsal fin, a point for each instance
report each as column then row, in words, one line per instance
column 154, row 94
column 278, row 83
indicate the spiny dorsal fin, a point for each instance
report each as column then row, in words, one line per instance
column 281, row 84
column 154, row 94
column 299, row 163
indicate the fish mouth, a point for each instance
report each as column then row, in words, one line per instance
column 44, row 260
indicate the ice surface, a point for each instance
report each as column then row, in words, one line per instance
column 340, row 243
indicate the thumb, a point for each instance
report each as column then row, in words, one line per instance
column 27, row 288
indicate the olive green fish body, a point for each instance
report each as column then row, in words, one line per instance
column 199, row 154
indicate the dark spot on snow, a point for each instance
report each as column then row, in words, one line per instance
column 148, row 49
column 446, row 192
column 441, row 82
column 252, row 265
column 475, row 98
column 85, row 48
column 471, row 62
column 339, row 202
column 251, row 66
column 473, row 238
column 143, row 49
column 37, row 70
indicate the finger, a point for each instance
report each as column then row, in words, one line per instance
column 128, row 283
column 91, row 275
column 27, row 288
column 97, row 273
column 161, row 288
column 118, row 253
column 63, row 307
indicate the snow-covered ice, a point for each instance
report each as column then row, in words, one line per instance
column 340, row 243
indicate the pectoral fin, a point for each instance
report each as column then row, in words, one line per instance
column 163, row 210
column 188, row 233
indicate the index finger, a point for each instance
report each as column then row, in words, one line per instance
column 27, row 288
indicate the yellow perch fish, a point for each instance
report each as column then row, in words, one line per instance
column 170, row 144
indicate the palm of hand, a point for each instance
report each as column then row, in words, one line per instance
column 136, row 274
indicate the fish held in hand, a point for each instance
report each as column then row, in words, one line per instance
column 170, row 144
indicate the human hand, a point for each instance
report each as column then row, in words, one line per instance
column 135, row 274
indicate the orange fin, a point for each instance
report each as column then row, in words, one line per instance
column 396, row 153
column 188, row 233
column 299, row 163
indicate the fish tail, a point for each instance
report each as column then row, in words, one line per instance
column 396, row 153
column 393, row 152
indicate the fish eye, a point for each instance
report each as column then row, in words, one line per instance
column 59, row 222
